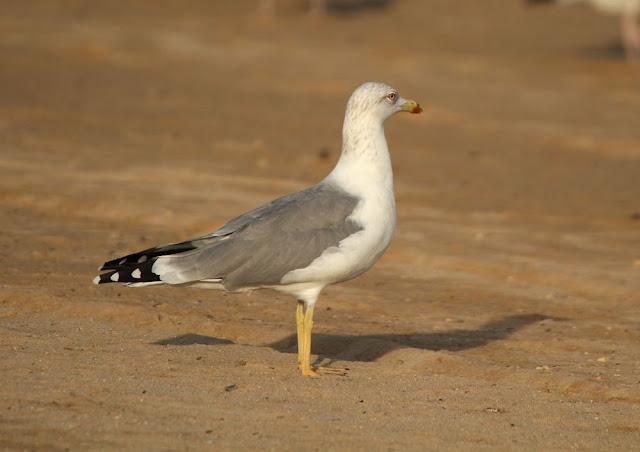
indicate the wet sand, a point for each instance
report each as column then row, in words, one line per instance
column 504, row 315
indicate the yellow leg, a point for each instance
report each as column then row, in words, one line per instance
column 304, row 327
column 300, row 330
column 307, row 326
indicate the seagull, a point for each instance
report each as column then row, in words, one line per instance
column 300, row 243
column 629, row 11
column 321, row 8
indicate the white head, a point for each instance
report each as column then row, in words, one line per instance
column 378, row 101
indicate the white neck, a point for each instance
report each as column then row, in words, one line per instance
column 364, row 164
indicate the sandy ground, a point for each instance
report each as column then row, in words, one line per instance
column 504, row 316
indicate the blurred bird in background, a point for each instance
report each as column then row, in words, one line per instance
column 628, row 10
column 316, row 7
column 321, row 8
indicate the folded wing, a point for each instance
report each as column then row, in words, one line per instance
column 252, row 250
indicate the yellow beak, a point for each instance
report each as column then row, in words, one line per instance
column 411, row 106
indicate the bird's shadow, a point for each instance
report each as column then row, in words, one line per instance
column 193, row 339
column 370, row 347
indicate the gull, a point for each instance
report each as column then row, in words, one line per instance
column 321, row 8
column 300, row 243
column 628, row 10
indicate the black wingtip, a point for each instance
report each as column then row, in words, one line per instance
column 106, row 278
column 135, row 259
column 129, row 274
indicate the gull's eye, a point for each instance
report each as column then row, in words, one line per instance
column 392, row 97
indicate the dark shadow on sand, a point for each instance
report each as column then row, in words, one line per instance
column 354, row 6
column 611, row 51
column 193, row 339
column 370, row 347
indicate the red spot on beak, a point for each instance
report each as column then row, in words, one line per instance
column 416, row 109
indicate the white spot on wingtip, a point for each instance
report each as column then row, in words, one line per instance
column 115, row 277
column 96, row 280
column 122, row 261
column 142, row 259
column 136, row 273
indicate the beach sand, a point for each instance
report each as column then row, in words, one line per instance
column 505, row 314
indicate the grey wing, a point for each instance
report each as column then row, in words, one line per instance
column 150, row 254
column 239, row 222
column 261, row 246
